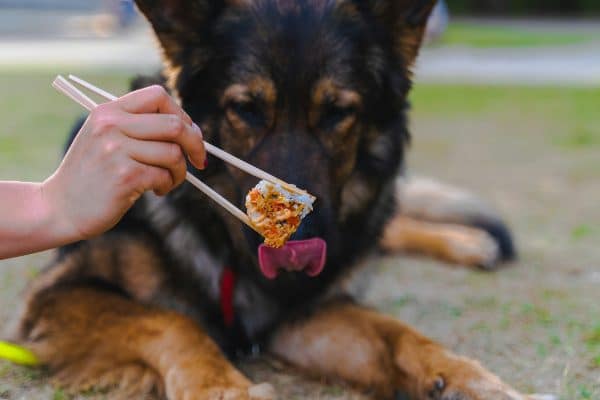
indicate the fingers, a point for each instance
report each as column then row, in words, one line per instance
column 155, row 133
column 153, row 99
column 167, row 156
column 156, row 179
column 170, row 124
column 166, row 128
column 135, row 178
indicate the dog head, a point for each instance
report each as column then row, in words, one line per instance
column 312, row 91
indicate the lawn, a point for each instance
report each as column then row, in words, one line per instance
column 532, row 152
column 494, row 35
column 36, row 119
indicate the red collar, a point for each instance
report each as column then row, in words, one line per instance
column 227, row 287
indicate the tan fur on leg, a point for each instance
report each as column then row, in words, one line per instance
column 87, row 336
column 381, row 354
column 449, row 242
column 135, row 380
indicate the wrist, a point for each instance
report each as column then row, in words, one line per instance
column 54, row 217
column 29, row 221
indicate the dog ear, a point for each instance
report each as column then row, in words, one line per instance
column 405, row 20
column 182, row 26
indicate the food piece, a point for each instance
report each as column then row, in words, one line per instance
column 275, row 212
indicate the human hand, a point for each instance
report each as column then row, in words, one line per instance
column 126, row 147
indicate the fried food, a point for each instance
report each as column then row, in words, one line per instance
column 275, row 212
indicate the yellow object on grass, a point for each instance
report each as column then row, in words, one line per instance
column 17, row 354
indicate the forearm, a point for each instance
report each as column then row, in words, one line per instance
column 28, row 221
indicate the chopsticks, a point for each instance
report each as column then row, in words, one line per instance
column 65, row 87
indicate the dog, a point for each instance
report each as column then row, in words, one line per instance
column 314, row 92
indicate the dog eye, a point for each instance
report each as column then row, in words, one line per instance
column 333, row 115
column 249, row 112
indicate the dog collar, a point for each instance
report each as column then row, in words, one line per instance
column 226, row 296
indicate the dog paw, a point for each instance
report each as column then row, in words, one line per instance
column 481, row 390
column 465, row 379
column 475, row 248
column 211, row 393
column 263, row 391
column 443, row 389
column 219, row 394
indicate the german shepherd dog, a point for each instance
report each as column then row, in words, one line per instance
column 314, row 92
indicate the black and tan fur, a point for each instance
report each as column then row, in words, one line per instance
column 315, row 92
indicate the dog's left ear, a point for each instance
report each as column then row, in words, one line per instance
column 405, row 20
column 183, row 27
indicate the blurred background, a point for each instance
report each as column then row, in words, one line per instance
column 506, row 104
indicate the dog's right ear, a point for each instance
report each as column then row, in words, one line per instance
column 405, row 20
column 183, row 27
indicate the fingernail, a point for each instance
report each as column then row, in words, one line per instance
column 205, row 163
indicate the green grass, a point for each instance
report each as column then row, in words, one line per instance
column 570, row 113
column 36, row 119
column 59, row 394
column 494, row 36
column 583, row 231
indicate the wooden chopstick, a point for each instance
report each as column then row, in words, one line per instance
column 65, row 87
column 75, row 94
column 220, row 200
column 214, row 150
column 95, row 89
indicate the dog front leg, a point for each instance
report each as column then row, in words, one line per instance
column 446, row 222
column 89, row 337
column 452, row 243
column 381, row 354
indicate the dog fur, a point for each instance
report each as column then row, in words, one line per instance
column 315, row 92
